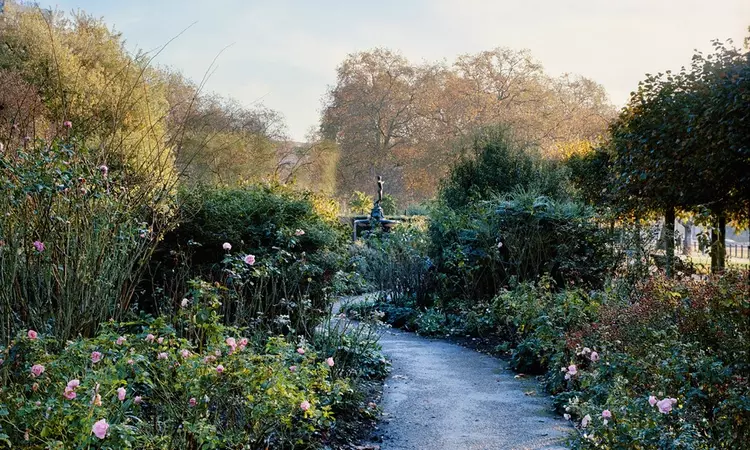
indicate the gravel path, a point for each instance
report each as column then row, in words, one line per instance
column 444, row 396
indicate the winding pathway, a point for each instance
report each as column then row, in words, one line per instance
column 440, row 395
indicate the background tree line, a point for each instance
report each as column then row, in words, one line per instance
column 412, row 122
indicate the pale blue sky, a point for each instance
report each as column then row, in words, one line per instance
column 285, row 52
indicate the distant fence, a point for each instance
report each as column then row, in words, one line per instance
column 733, row 250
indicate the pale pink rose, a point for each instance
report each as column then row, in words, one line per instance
column 249, row 260
column 329, row 361
column 104, row 170
column 100, row 428
column 185, row 353
column 39, row 246
column 226, row 246
column 137, row 399
column 74, row 383
column 68, row 124
column 305, row 405
column 594, row 356
column 96, row 357
column 131, row 362
column 665, row 405
column 652, row 400
column 32, row 334
column 299, row 232
column 585, row 421
column 121, row 393
column 292, row 368
column 606, row 414
column 192, row 402
column 220, row 368
column 36, row 370
column 185, row 302
column 162, row 355
column 150, row 338
column 160, row 340
column 572, row 369
column 69, row 393
column 243, row 342
column 120, row 340
column 231, row 342
column 301, row 351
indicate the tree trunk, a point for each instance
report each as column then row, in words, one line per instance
column 669, row 217
column 722, row 244
column 687, row 239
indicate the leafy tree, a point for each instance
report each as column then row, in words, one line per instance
column 360, row 203
column 500, row 165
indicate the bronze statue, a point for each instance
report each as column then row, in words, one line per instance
column 380, row 190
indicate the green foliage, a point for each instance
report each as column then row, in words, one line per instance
column 686, row 340
column 73, row 240
column 476, row 252
column 498, row 165
column 353, row 346
column 216, row 392
column 389, row 205
column 395, row 263
column 293, row 235
column 360, row 203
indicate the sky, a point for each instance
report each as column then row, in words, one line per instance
column 284, row 53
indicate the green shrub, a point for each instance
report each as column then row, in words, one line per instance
column 157, row 390
column 395, row 263
column 478, row 250
column 73, row 239
column 294, row 236
column 495, row 163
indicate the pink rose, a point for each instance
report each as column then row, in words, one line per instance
column 329, row 361
column 39, row 246
column 305, row 405
column 192, row 402
column 68, row 124
column 585, row 421
column 292, row 368
column 150, row 338
column 32, row 334
column 162, row 355
column 100, row 428
column 220, row 368
column 594, row 356
column 301, row 351
column 36, row 370
column 69, row 393
column 185, row 353
column 249, row 260
column 131, row 362
column 652, row 400
column 121, row 393
column 96, row 357
column 226, row 246
column 299, row 232
column 231, row 342
column 606, row 414
column 74, row 383
column 160, row 340
column 665, row 405
column 120, row 340
column 137, row 399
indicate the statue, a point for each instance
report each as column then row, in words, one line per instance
column 380, row 190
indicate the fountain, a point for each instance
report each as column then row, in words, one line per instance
column 376, row 217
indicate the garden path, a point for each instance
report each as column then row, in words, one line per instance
column 440, row 395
